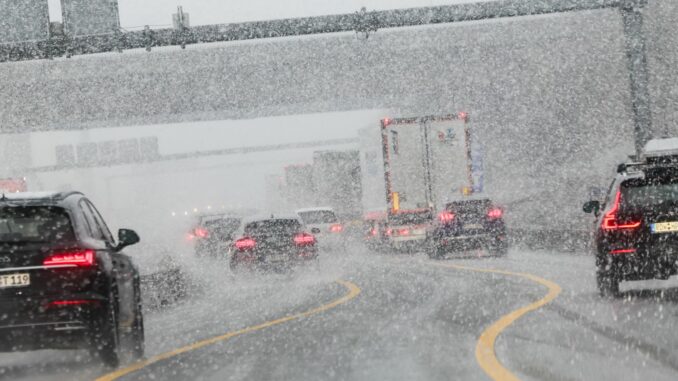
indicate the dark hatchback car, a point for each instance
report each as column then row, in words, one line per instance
column 64, row 282
column 469, row 224
column 276, row 243
column 213, row 234
column 636, row 235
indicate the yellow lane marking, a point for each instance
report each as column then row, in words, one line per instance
column 352, row 289
column 485, row 352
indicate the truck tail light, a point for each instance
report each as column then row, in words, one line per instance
column 304, row 239
column 610, row 221
column 336, row 228
column 245, row 243
column 71, row 258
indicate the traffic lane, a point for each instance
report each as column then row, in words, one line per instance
column 583, row 336
column 412, row 320
column 226, row 302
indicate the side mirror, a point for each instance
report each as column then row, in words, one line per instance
column 315, row 231
column 126, row 237
column 591, row 207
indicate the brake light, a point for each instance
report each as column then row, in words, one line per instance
column 495, row 213
column 623, row 251
column 446, row 216
column 610, row 221
column 389, row 231
column 373, row 232
column 66, row 303
column 201, row 233
column 403, row 232
column 304, row 239
column 245, row 243
column 336, row 228
column 82, row 258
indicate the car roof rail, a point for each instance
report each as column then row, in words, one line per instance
column 623, row 167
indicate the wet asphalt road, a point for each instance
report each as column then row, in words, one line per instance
column 411, row 320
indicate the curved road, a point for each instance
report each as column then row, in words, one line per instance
column 366, row 316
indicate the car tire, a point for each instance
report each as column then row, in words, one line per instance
column 106, row 336
column 501, row 250
column 233, row 265
column 435, row 252
column 608, row 285
column 137, row 335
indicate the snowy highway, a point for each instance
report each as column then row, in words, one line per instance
column 366, row 316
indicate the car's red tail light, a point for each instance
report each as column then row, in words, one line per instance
column 389, row 231
column 304, row 239
column 201, row 233
column 610, row 221
column 494, row 213
column 67, row 303
column 245, row 243
column 446, row 216
column 373, row 232
column 336, row 228
column 78, row 258
column 623, row 251
column 403, row 232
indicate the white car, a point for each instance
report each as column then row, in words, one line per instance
column 407, row 229
column 325, row 226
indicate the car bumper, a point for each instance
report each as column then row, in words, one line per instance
column 330, row 240
column 276, row 258
column 469, row 242
column 641, row 265
column 25, row 326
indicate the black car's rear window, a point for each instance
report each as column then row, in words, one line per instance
column 469, row 206
column 650, row 191
column 411, row 218
column 273, row 227
column 225, row 225
column 318, row 217
column 35, row 224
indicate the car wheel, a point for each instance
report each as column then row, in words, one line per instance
column 233, row 265
column 106, row 335
column 500, row 250
column 435, row 252
column 137, row 334
column 608, row 285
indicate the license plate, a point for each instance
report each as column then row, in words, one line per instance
column 15, row 280
column 276, row 258
column 664, row 227
column 473, row 226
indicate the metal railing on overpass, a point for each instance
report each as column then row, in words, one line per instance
column 360, row 22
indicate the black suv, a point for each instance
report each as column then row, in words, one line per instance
column 64, row 282
column 214, row 233
column 275, row 243
column 468, row 224
column 636, row 235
